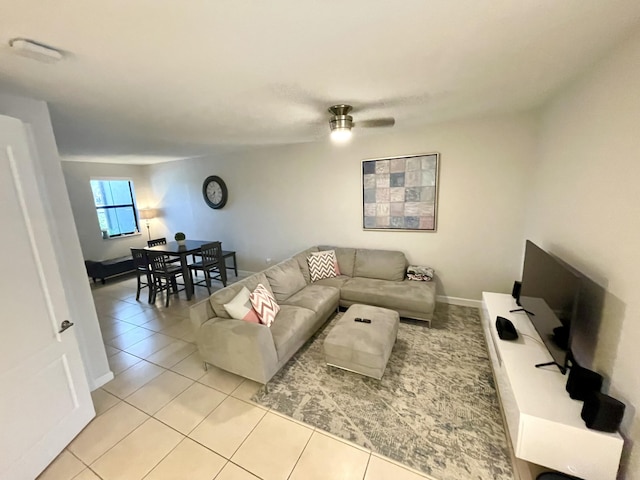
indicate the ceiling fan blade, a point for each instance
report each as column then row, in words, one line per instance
column 377, row 122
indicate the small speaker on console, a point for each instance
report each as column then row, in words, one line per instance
column 506, row 329
column 583, row 382
column 602, row 412
column 515, row 293
column 561, row 337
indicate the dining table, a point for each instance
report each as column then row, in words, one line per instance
column 191, row 247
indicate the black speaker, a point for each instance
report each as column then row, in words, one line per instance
column 506, row 329
column 602, row 412
column 582, row 382
column 515, row 293
column 561, row 337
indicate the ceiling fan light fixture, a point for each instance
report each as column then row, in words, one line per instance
column 340, row 122
column 340, row 134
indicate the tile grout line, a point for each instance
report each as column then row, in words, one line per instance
column 252, row 430
column 366, row 468
column 243, row 468
column 157, row 364
column 127, row 435
column 153, row 353
column 301, row 453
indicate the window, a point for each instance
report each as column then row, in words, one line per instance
column 115, row 207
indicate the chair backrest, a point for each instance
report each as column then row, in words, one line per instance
column 140, row 259
column 157, row 262
column 211, row 254
column 157, row 241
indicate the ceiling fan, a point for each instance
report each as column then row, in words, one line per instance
column 341, row 123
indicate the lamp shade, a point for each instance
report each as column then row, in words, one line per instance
column 148, row 213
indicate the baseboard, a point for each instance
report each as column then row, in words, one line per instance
column 96, row 383
column 465, row 302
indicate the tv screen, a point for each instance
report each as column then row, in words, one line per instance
column 549, row 296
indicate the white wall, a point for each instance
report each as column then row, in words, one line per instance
column 585, row 208
column 65, row 239
column 283, row 199
column 77, row 176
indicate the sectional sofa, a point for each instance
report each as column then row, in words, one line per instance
column 257, row 352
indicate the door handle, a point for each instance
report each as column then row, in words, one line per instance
column 65, row 324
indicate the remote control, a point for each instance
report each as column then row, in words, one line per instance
column 361, row 320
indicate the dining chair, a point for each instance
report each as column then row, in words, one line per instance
column 162, row 241
column 212, row 265
column 164, row 276
column 157, row 241
column 141, row 264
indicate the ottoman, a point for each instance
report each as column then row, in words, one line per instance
column 363, row 348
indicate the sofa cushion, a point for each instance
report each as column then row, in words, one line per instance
column 346, row 258
column 264, row 304
column 301, row 258
column 333, row 281
column 219, row 298
column 292, row 327
column 285, row 279
column 407, row 295
column 381, row 264
column 322, row 265
column 320, row 299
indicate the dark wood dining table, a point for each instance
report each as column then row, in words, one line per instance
column 191, row 247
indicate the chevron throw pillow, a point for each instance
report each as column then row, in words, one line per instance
column 264, row 305
column 322, row 265
column 335, row 258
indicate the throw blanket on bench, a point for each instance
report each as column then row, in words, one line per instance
column 424, row 274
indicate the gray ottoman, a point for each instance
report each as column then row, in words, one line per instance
column 363, row 348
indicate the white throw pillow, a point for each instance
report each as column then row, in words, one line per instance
column 240, row 307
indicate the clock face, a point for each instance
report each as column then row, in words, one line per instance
column 214, row 191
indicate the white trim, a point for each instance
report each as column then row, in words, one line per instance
column 126, row 235
column 465, row 302
column 96, row 383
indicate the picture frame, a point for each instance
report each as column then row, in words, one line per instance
column 400, row 193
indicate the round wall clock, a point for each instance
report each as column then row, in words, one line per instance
column 214, row 191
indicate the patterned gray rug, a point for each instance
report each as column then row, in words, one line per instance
column 435, row 409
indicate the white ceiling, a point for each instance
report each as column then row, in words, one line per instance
column 183, row 78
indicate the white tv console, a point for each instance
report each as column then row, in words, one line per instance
column 544, row 423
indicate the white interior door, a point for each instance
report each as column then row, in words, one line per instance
column 44, row 395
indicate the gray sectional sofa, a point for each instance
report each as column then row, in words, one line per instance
column 257, row 352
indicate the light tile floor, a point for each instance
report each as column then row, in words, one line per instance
column 164, row 418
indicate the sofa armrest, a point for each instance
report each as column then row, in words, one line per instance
column 200, row 313
column 241, row 347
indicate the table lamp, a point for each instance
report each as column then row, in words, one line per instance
column 147, row 214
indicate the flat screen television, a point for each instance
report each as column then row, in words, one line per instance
column 549, row 296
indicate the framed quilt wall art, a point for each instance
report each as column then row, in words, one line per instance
column 400, row 193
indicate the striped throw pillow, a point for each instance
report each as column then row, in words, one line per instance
column 335, row 258
column 264, row 305
column 322, row 265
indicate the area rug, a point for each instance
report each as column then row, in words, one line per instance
column 435, row 409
